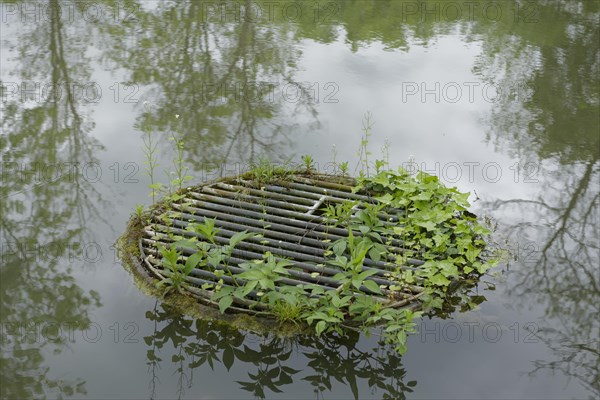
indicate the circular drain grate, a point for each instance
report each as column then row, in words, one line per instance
column 287, row 218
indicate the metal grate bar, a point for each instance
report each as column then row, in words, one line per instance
column 255, row 199
column 302, row 193
column 245, row 255
column 307, row 186
column 266, row 194
column 264, row 209
column 316, row 230
column 261, row 220
column 307, row 225
column 282, row 232
column 331, row 232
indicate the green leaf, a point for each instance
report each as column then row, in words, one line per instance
column 266, row 283
column 238, row 237
column 375, row 254
column 381, row 178
column 439, row 280
column 247, row 288
column 472, row 253
column 191, row 262
column 448, row 268
column 372, row 286
column 426, row 178
column 340, row 302
column 435, row 302
column 364, row 229
column 281, row 264
column 224, row 303
column 340, row 261
column 339, row 247
column 365, row 274
column 320, row 327
column 225, row 291
column 421, row 196
column 385, row 199
column 462, row 199
column 429, row 225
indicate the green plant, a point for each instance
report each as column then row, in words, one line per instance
column 211, row 255
column 175, row 271
column 258, row 274
column 340, row 169
column 287, row 304
column 328, row 313
column 344, row 169
column 180, row 171
column 265, row 172
column 151, row 162
column 206, row 229
column 309, row 164
column 385, row 152
column 363, row 151
column 139, row 211
column 436, row 225
column 339, row 213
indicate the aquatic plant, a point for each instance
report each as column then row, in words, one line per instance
column 176, row 270
column 180, row 171
column 151, row 162
column 264, row 171
column 363, row 151
column 309, row 163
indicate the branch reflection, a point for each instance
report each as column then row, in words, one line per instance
column 45, row 206
column 555, row 129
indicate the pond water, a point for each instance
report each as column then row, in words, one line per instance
column 497, row 98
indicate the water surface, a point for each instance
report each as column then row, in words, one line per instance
column 500, row 99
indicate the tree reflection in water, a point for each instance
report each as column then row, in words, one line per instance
column 224, row 79
column 45, row 206
column 560, row 269
column 182, row 59
column 555, row 128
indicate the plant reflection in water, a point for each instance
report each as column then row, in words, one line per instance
column 268, row 359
